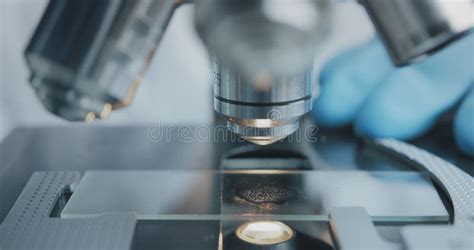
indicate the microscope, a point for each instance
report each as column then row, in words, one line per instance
column 87, row 58
column 109, row 188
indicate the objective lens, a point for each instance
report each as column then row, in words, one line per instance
column 105, row 48
column 264, row 232
column 261, row 112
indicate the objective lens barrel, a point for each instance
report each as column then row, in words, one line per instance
column 264, row 109
column 414, row 29
column 87, row 57
column 264, row 51
column 254, row 36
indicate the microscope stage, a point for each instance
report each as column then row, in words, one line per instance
column 119, row 188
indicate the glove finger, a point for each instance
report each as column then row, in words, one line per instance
column 346, row 82
column 410, row 99
column 464, row 124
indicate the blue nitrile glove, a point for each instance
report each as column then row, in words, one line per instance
column 362, row 87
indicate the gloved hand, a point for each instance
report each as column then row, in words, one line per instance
column 362, row 87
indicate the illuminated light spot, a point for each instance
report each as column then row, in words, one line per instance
column 264, row 232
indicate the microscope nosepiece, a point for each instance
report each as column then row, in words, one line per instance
column 264, row 109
